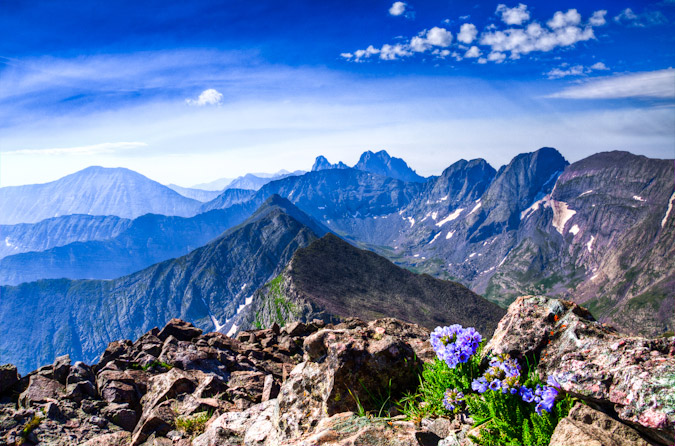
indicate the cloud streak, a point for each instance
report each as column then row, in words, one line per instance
column 654, row 84
column 94, row 149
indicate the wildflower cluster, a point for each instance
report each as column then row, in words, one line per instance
column 453, row 399
column 503, row 375
column 455, row 344
column 507, row 401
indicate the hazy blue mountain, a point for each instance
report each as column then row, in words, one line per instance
column 250, row 181
column 45, row 319
column 147, row 240
column 59, row 231
column 321, row 163
column 216, row 185
column 227, row 198
column 196, row 194
column 94, row 191
column 254, row 182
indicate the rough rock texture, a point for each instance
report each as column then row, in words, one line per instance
column 350, row 363
column 137, row 390
column 633, row 376
column 589, row 427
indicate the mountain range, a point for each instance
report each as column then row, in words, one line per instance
column 212, row 286
column 598, row 231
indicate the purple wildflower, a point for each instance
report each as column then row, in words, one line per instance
column 480, row 385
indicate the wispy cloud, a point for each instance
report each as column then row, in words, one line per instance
column 647, row 18
column 654, row 84
column 94, row 149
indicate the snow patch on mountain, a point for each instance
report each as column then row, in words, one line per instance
column 449, row 235
column 450, row 217
column 434, row 239
column 575, row 229
column 561, row 215
column 670, row 208
column 589, row 245
column 534, row 207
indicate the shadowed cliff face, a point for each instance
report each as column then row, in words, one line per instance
column 331, row 279
column 44, row 319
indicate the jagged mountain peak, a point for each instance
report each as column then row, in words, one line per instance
column 381, row 163
column 321, row 163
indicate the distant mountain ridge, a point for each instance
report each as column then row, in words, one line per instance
column 94, row 191
column 146, row 240
column 59, row 231
column 331, row 279
column 250, row 181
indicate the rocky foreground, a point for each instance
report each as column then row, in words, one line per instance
column 298, row 385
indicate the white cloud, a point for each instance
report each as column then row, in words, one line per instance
column 653, row 84
column 482, row 61
column 598, row 18
column 576, row 70
column 513, row 16
column 562, row 20
column 467, row 33
column 563, row 29
column 397, row 9
column 564, row 32
column 496, row 57
column 393, row 52
column 207, row 97
column 94, row 149
column 557, row 73
column 648, row 18
column 439, row 36
column 473, row 52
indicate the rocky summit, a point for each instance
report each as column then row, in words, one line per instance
column 306, row 384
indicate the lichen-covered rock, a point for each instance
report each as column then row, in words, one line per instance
column 590, row 427
column 251, row 427
column 630, row 375
column 350, row 363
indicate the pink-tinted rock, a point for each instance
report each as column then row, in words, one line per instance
column 633, row 376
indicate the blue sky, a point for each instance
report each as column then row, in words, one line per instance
column 189, row 92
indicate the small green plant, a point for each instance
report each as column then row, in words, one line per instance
column 157, row 363
column 193, row 425
column 29, row 427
